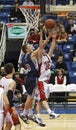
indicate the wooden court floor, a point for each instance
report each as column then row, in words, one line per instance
column 64, row 122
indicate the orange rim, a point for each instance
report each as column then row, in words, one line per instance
column 30, row 7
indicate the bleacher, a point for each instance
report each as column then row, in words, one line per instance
column 5, row 10
column 5, row 17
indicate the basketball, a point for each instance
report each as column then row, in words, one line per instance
column 49, row 24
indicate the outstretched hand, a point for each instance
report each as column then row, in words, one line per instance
column 53, row 34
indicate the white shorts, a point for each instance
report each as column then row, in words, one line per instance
column 47, row 89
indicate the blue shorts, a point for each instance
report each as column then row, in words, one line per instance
column 30, row 85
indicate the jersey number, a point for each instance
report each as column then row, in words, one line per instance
column 47, row 65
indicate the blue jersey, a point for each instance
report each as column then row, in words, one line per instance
column 32, row 75
column 23, row 58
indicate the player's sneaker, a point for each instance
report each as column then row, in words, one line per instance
column 54, row 115
column 24, row 118
column 31, row 117
column 39, row 122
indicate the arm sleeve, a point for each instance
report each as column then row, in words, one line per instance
column 10, row 97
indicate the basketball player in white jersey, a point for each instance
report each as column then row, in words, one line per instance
column 4, row 105
column 43, row 80
column 9, row 87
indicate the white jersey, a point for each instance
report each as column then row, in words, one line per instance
column 1, row 107
column 1, row 100
column 45, row 67
column 5, row 82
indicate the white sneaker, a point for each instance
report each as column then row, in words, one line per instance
column 54, row 115
column 24, row 118
column 40, row 122
column 31, row 117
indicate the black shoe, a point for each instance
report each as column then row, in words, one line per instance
column 24, row 118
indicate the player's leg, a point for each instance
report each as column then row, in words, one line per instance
column 12, row 119
column 38, row 110
column 39, row 95
column 8, row 125
column 28, row 105
column 16, row 122
column 44, row 94
column 30, row 111
column 51, row 113
column 18, row 127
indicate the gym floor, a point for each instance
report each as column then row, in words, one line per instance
column 66, row 121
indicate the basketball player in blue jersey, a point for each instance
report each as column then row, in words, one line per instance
column 31, row 63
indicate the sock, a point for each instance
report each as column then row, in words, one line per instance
column 24, row 112
column 49, row 111
column 39, row 116
column 30, row 112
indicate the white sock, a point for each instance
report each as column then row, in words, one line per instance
column 30, row 111
column 24, row 112
column 39, row 116
column 49, row 111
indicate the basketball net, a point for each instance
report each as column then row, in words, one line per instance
column 31, row 14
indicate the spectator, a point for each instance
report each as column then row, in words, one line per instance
column 2, row 71
column 61, row 2
column 1, row 6
column 28, row 3
column 35, row 37
column 20, row 89
column 60, row 81
column 60, row 78
column 59, row 24
column 60, row 64
column 62, row 36
column 57, row 52
column 17, row 1
column 16, row 14
column 73, row 53
column 71, row 27
column 36, row 2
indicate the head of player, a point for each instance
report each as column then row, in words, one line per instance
column 27, row 48
column 9, row 68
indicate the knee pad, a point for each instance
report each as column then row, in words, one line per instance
column 41, row 90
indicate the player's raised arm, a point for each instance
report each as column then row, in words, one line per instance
column 47, row 40
column 52, row 46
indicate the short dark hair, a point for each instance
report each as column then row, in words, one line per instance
column 8, row 68
column 24, row 47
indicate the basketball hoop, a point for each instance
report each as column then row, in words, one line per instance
column 31, row 14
